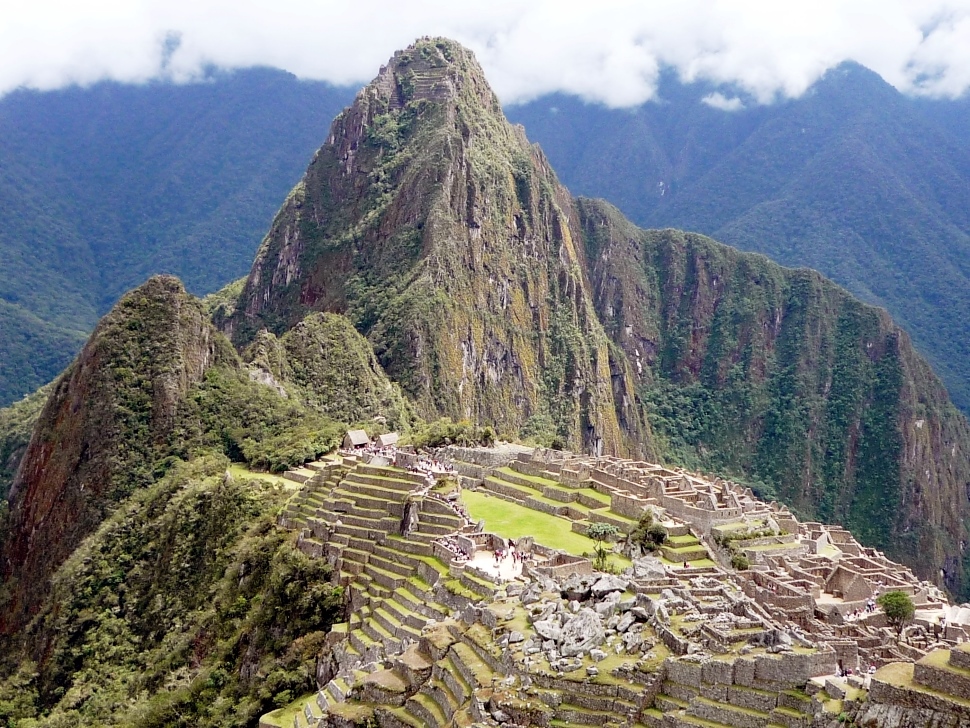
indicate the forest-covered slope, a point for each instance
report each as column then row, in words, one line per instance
column 854, row 179
column 784, row 379
column 107, row 185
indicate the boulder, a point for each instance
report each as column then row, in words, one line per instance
column 548, row 629
column 582, row 632
column 575, row 588
column 608, row 604
column 625, row 621
column 531, row 595
column 607, row 584
column 648, row 567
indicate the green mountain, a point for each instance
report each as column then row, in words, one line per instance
column 105, row 186
column 487, row 292
column 429, row 264
column 783, row 378
column 853, row 179
column 446, row 239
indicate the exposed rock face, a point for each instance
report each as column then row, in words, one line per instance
column 783, row 376
column 95, row 437
column 445, row 237
column 16, row 424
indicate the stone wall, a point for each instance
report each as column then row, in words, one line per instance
column 561, row 566
column 934, row 672
column 883, row 692
column 629, row 506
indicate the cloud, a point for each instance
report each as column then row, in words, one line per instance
column 717, row 100
column 611, row 51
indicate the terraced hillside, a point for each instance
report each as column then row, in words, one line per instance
column 680, row 639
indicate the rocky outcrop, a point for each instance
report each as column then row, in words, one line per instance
column 446, row 239
column 94, row 440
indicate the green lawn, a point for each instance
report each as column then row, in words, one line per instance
column 538, row 480
column 240, row 472
column 510, row 520
column 284, row 716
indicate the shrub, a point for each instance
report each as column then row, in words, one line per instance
column 601, row 533
column 648, row 535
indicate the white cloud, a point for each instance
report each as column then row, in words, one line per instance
column 717, row 100
column 610, row 51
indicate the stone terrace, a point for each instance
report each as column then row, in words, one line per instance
column 681, row 639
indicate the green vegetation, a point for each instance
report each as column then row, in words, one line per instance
column 445, row 432
column 187, row 607
column 250, row 422
column 400, row 255
column 648, row 535
column 33, row 350
column 332, row 369
column 601, row 533
column 804, row 182
column 92, row 209
column 782, row 381
column 511, row 520
column 898, row 607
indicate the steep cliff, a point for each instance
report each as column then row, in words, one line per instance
column 97, row 435
column 16, row 424
column 446, row 239
column 780, row 376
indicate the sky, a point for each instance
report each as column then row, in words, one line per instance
column 606, row 51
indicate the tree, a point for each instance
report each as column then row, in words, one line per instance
column 899, row 608
column 648, row 534
column 601, row 533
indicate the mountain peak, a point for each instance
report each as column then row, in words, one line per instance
column 443, row 235
column 432, row 69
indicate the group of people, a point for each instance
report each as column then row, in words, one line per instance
column 461, row 555
column 510, row 553
column 428, row 465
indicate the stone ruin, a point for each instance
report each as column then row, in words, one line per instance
column 680, row 638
